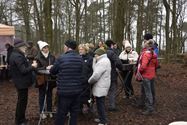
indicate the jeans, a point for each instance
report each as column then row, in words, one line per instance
column 42, row 92
column 148, row 93
column 21, row 105
column 100, row 101
column 67, row 104
column 127, row 83
column 112, row 94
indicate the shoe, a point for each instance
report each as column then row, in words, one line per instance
column 50, row 115
column 112, row 109
column 97, row 120
column 102, row 124
column 43, row 116
column 147, row 112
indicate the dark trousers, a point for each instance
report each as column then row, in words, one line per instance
column 100, row 101
column 21, row 105
column 112, row 94
column 148, row 93
column 42, row 92
column 67, row 104
column 127, row 75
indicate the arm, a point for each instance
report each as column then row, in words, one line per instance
column 97, row 73
column 55, row 68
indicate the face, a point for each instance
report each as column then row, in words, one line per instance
column 100, row 44
column 82, row 51
column 96, row 56
column 128, row 49
column 23, row 48
column 45, row 49
column 65, row 48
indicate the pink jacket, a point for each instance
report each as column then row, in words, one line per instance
column 147, row 63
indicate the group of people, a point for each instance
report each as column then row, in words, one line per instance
column 89, row 74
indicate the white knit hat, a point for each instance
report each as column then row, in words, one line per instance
column 42, row 44
column 126, row 44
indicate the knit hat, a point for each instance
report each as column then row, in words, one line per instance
column 126, row 44
column 19, row 43
column 42, row 44
column 100, row 51
column 71, row 44
column 148, row 36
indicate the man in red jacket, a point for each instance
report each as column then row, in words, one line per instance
column 147, row 65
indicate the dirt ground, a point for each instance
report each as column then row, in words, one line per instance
column 171, row 102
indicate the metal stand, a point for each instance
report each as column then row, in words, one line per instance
column 46, row 74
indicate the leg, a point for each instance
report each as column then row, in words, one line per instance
column 62, row 110
column 42, row 91
column 49, row 99
column 75, row 108
column 148, row 94
column 100, row 101
column 153, row 90
column 112, row 95
column 21, row 105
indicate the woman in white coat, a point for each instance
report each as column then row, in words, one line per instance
column 128, row 56
column 101, row 82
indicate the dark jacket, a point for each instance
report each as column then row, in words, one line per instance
column 44, row 62
column 21, row 70
column 9, row 51
column 115, row 63
column 68, row 68
column 87, row 67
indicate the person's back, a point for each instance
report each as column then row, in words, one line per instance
column 69, row 74
column 68, row 69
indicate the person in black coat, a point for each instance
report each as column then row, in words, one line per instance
column 87, row 72
column 45, row 60
column 68, row 68
column 115, row 63
column 21, row 72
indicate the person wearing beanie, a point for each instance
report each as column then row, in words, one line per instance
column 45, row 60
column 68, row 68
column 101, row 80
column 115, row 63
column 146, row 72
column 128, row 56
column 21, row 73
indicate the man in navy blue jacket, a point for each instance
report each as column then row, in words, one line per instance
column 68, row 69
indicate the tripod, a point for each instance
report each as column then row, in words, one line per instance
column 46, row 79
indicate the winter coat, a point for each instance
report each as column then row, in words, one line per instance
column 101, row 77
column 147, row 63
column 21, row 70
column 115, row 63
column 42, row 64
column 9, row 51
column 132, row 56
column 68, row 68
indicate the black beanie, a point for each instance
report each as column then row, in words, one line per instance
column 148, row 36
column 71, row 44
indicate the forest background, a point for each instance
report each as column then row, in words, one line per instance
column 55, row 21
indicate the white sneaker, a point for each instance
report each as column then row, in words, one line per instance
column 97, row 120
column 50, row 115
column 43, row 116
column 102, row 124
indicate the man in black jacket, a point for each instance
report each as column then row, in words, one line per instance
column 68, row 69
column 115, row 63
column 21, row 72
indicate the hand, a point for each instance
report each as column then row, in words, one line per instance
column 49, row 67
column 34, row 64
